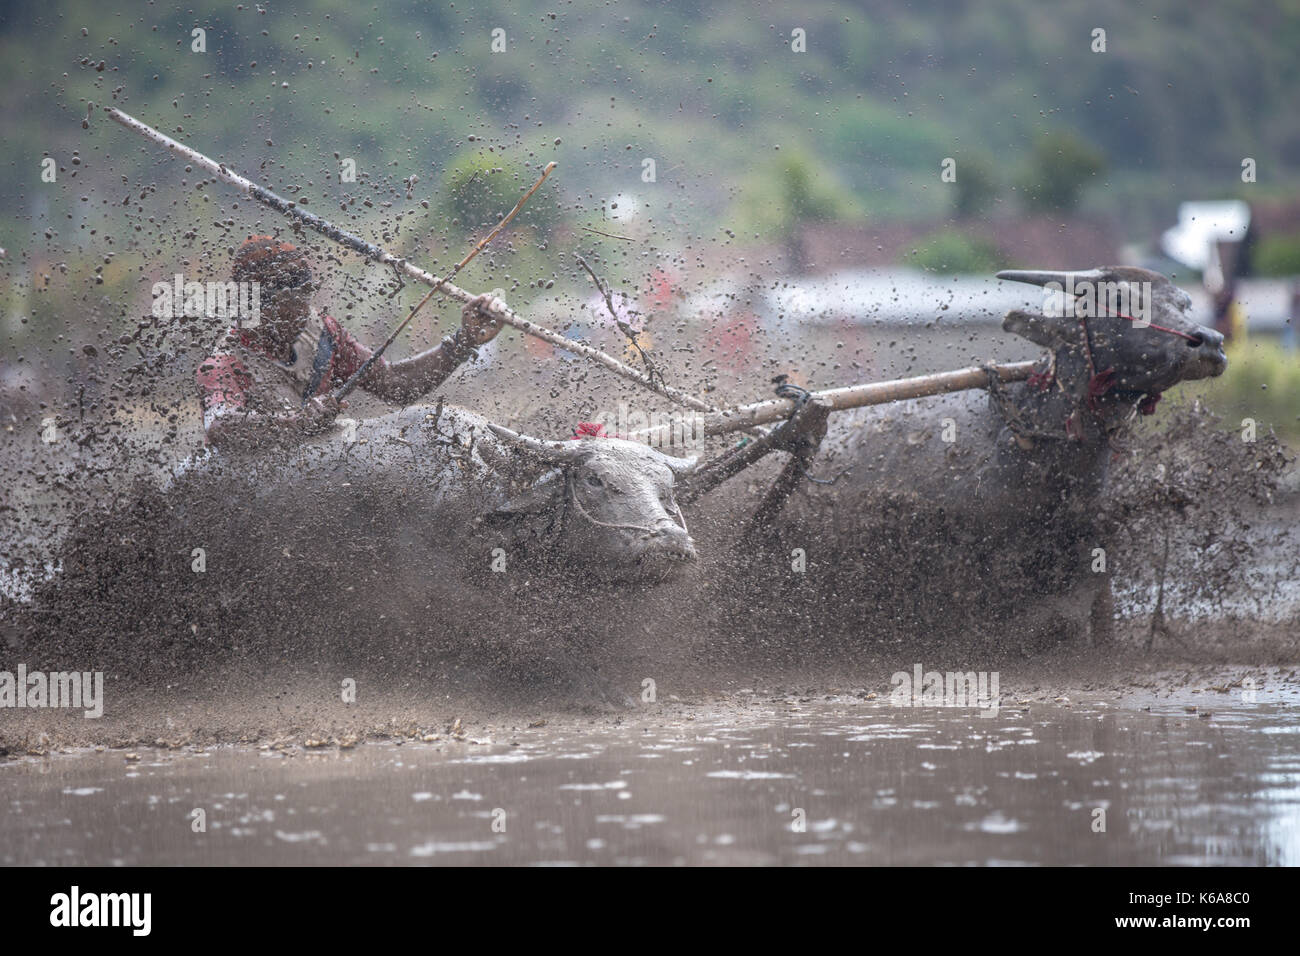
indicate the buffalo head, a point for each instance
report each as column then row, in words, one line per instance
column 614, row 501
column 1132, row 321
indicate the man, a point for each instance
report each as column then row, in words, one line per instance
column 271, row 383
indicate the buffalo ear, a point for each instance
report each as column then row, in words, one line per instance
column 1045, row 330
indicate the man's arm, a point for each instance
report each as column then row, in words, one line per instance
column 405, row 381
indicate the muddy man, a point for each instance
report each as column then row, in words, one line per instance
column 272, row 382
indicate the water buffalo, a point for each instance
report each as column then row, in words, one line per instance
column 428, row 528
column 976, row 514
column 612, row 500
column 602, row 508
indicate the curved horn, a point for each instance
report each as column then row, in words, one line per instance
column 549, row 450
column 682, row 467
column 1046, row 276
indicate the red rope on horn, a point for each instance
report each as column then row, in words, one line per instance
column 1159, row 328
column 589, row 430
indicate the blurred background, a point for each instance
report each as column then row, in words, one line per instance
column 821, row 190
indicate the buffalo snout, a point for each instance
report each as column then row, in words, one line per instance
column 1208, row 357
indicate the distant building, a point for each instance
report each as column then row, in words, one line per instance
column 1216, row 238
column 1040, row 242
column 1212, row 238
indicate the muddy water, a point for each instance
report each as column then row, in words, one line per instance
column 723, row 784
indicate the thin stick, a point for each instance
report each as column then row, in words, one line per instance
column 851, row 396
column 373, row 252
column 608, row 235
column 351, row 383
column 623, row 327
column 653, row 370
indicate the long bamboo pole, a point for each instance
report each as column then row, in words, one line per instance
column 376, row 355
column 375, row 253
column 850, row 396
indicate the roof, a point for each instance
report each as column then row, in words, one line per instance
column 1050, row 242
column 896, row 296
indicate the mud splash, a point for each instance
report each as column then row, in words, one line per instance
column 1205, row 562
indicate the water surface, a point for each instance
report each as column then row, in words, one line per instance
column 813, row 781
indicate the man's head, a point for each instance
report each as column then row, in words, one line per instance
column 286, row 283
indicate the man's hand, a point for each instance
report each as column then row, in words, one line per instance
column 476, row 320
column 319, row 413
column 406, row 380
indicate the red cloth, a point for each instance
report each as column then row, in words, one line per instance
column 589, row 430
column 1099, row 385
column 1041, row 380
column 223, row 379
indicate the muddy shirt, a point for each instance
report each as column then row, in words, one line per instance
column 240, row 376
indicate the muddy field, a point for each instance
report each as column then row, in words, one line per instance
column 257, row 648
column 309, row 672
column 462, row 615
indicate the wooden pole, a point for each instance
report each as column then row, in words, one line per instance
column 360, row 373
column 850, row 396
column 377, row 254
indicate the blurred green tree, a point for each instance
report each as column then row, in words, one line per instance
column 1277, row 256
column 954, row 252
column 479, row 189
column 783, row 196
column 977, row 185
column 1060, row 165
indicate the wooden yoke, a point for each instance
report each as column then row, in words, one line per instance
column 800, row 436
